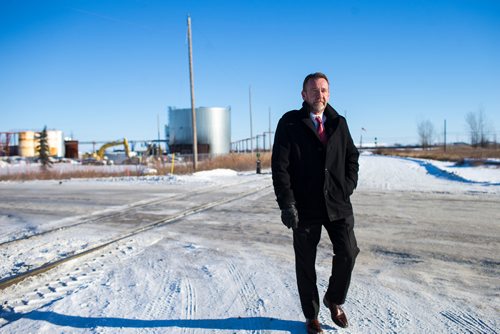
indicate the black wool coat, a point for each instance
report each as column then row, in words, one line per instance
column 318, row 178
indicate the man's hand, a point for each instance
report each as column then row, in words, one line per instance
column 290, row 217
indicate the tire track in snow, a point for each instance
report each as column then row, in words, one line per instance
column 165, row 296
column 367, row 309
column 174, row 291
column 377, row 311
column 247, row 293
column 188, row 303
column 462, row 322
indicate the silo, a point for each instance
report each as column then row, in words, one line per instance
column 213, row 125
column 71, row 149
column 27, row 144
column 55, row 140
column 180, row 129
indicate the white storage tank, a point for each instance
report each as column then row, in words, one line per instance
column 27, row 144
column 213, row 126
column 55, row 140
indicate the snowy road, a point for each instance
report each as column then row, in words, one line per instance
column 428, row 263
column 76, row 236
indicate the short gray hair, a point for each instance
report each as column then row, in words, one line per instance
column 316, row 75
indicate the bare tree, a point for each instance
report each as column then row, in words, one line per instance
column 473, row 126
column 477, row 125
column 425, row 133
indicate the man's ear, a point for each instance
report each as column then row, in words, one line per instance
column 303, row 95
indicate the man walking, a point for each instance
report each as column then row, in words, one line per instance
column 315, row 170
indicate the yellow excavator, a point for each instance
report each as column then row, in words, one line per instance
column 102, row 150
column 98, row 157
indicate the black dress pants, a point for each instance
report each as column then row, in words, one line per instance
column 305, row 241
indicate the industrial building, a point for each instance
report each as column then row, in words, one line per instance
column 213, row 128
column 24, row 144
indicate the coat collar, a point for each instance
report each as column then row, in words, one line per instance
column 332, row 119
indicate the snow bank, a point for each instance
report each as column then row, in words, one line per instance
column 405, row 174
column 216, row 173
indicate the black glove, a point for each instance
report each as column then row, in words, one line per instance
column 290, row 217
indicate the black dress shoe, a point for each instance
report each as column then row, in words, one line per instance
column 338, row 314
column 313, row 326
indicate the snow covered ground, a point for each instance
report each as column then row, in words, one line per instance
column 429, row 236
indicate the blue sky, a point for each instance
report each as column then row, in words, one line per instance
column 103, row 70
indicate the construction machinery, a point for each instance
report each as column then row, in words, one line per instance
column 152, row 154
column 98, row 158
column 102, row 150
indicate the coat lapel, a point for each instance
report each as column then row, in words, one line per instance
column 307, row 120
column 332, row 120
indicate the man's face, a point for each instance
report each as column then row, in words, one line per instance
column 316, row 94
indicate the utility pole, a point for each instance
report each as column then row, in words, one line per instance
column 445, row 135
column 270, row 144
column 193, row 111
column 158, row 125
column 250, row 107
column 361, row 138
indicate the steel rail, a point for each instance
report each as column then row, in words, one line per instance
column 6, row 282
column 100, row 217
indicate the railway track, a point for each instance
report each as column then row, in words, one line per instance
column 14, row 279
column 115, row 214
